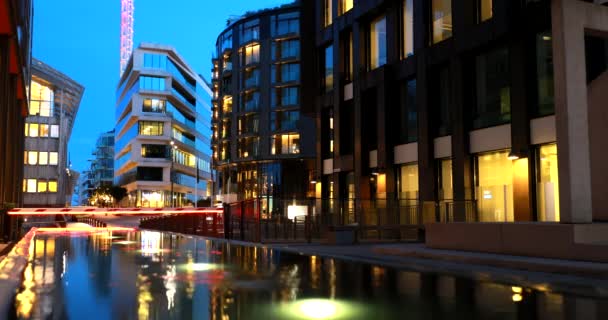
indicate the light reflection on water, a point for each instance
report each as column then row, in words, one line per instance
column 149, row 275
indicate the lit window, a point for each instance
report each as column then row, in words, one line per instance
column 377, row 43
column 54, row 131
column 32, row 158
column 53, row 158
column 33, row 130
column 407, row 20
column 285, row 144
column 344, row 6
column 485, row 11
column 42, row 186
column 328, row 14
column 41, row 101
column 43, row 130
column 31, row 185
column 151, row 128
column 251, row 54
column 52, row 186
column 43, row 159
column 27, row 129
column 442, row 20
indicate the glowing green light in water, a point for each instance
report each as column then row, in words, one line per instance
column 318, row 309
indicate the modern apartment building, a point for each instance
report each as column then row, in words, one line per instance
column 263, row 107
column 16, row 18
column 479, row 110
column 163, row 129
column 54, row 102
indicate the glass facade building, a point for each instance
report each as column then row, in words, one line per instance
column 163, row 130
column 262, row 128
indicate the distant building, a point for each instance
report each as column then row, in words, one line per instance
column 264, row 127
column 54, row 102
column 102, row 166
column 163, row 130
column 101, row 169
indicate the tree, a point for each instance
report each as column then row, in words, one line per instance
column 101, row 197
column 118, row 193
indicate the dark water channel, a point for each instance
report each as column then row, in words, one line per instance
column 150, row 275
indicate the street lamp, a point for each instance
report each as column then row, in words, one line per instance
column 171, row 173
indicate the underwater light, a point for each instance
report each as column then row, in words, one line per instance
column 199, row 267
column 319, row 308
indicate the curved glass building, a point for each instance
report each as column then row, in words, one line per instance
column 263, row 133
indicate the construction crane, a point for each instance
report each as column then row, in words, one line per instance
column 126, row 32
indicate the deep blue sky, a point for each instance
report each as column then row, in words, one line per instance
column 81, row 39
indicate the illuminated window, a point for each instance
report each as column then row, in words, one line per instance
column 53, row 158
column 407, row 21
column 377, row 43
column 484, row 10
column 154, row 105
column 250, row 54
column 43, row 159
column 327, row 12
column 52, row 186
column 33, row 130
column 344, row 6
column 54, row 131
column 43, row 130
column 441, row 15
column 285, row 144
column 494, row 187
column 31, row 185
column 151, row 128
column 32, row 157
column 408, row 184
column 42, row 186
column 41, row 100
column 547, row 184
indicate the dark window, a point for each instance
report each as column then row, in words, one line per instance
column 250, row 30
column 287, row 72
column 442, row 100
column 347, row 56
column 544, row 73
column 149, row 174
column 250, row 101
column 249, row 124
column 328, row 70
column 251, row 78
column 286, row 49
column 596, row 56
column 493, row 92
column 287, row 96
column 409, row 113
column 152, row 83
column 286, row 23
column 284, row 120
column 153, row 151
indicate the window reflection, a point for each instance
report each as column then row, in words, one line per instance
column 377, row 43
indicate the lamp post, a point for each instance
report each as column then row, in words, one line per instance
column 173, row 148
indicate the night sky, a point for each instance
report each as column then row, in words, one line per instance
column 82, row 38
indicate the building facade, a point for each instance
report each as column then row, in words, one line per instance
column 454, row 111
column 263, row 104
column 16, row 18
column 163, row 121
column 101, row 170
column 54, row 102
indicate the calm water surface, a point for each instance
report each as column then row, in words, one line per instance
column 151, row 275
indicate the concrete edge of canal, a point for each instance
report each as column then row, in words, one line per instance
column 12, row 267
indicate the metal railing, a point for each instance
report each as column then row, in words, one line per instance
column 305, row 220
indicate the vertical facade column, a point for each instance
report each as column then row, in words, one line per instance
column 427, row 179
column 358, row 65
column 462, row 162
column 520, row 129
column 571, row 111
column 4, row 94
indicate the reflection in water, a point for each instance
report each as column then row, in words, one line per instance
column 149, row 275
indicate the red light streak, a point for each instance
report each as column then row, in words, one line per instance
column 84, row 229
column 95, row 211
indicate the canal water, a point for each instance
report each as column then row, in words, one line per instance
column 151, row 275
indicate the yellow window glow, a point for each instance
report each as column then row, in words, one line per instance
column 53, row 158
column 52, row 186
column 42, row 186
column 32, row 157
column 31, row 185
